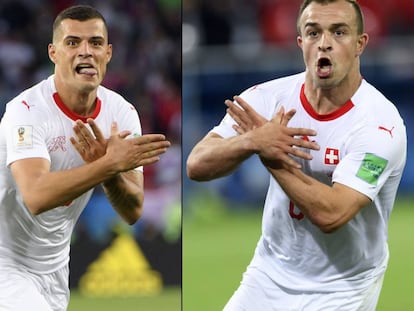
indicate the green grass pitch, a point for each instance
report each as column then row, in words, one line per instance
column 218, row 245
column 168, row 300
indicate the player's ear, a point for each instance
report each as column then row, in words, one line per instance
column 52, row 52
column 362, row 43
column 299, row 41
column 109, row 53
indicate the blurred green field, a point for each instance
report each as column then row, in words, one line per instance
column 168, row 300
column 218, row 245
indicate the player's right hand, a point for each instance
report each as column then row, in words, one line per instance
column 127, row 154
column 90, row 145
column 273, row 140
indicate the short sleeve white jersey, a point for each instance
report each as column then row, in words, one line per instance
column 38, row 124
column 363, row 146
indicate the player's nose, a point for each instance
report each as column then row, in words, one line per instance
column 84, row 49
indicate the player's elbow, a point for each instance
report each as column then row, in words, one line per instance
column 35, row 210
column 35, row 206
column 328, row 222
column 134, row 217
column 194, row 170
column 133, row 214
column 200, row 170
column 192, row 173
column 329, row 228
column 325, row 226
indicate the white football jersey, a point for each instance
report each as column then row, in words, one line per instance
column 363, row 146
column 38, row 124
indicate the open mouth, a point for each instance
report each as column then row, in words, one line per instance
column 324, row 67
column 86, row 69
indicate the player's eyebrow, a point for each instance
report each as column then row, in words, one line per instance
column 332, row 26
column 339, row 25
column 71, row 37
column 311, row 24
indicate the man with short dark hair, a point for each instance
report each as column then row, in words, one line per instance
column 58, row 140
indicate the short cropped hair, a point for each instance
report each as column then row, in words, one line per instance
column 79, row 13
column 355, row 5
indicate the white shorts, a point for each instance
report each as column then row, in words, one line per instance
column 22, row 290
column 258, row 292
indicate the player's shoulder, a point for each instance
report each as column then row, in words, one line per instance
column 32, row 100
column 280, row 84
column 113, row 100
column 106, row 93
column 33, row 93
column 367, row 90
column 377, row 115
column 275, row 91
column 373, row 102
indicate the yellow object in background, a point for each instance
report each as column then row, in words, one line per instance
column 121, row 270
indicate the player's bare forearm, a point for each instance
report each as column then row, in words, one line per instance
column 43, row 190
column 125, row 192
column 328, row 207
column 215, row 157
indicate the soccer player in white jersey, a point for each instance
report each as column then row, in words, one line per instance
column 335, row 148
column 58, row 140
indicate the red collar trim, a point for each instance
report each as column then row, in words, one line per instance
column 72, row 115
column 324, row 117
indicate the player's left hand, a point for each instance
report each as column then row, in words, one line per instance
column 91, row 145
column 246, row 118
column 288, row 140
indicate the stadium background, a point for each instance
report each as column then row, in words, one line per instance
column 229, row 46
column 146, row 70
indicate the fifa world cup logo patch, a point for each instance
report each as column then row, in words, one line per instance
column 20, row 132
column 372, row 166
column 23, row 137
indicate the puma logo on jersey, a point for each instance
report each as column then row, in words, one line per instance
column 387, row 130
column 27, row 105
column 253, row 87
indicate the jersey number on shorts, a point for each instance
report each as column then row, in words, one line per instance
column 294, row 212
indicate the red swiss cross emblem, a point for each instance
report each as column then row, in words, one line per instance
column 331, row 156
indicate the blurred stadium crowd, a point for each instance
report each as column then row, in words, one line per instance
column 230, row 45
column 270, row 21
column 145, row 69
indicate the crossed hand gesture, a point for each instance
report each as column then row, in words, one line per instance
column 126, row 153
column 274, row 140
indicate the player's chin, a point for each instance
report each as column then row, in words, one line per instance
column 88, row 77
column 88, row 86
column 326, row 83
